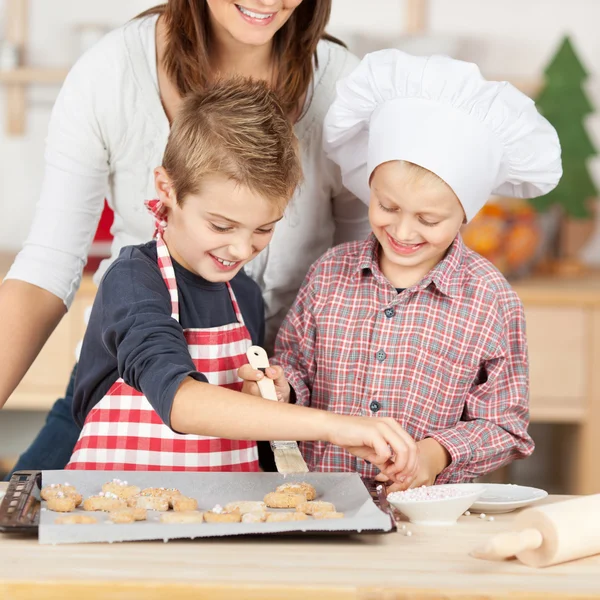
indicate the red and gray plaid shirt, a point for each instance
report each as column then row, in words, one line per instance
column 446, row 358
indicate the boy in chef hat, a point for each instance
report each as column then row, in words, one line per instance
column 411, row 324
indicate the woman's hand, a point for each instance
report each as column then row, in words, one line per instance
column 251, row 376
column 380, row 441
column 433, row 459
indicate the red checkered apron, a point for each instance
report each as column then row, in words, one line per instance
column 123, row 432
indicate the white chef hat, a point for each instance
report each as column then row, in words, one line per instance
column 481, row 137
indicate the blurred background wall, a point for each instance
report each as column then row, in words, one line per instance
column 507, row 38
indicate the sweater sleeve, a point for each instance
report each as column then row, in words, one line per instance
column 351, row 215
column 137, row 328
column 493, row 430
column 75, row 183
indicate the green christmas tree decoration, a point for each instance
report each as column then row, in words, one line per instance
column 564, row 103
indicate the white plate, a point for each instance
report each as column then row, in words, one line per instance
column 501, row 498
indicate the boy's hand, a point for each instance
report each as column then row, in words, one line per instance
column 251, row 376
column 433, row 459
column 382, row 442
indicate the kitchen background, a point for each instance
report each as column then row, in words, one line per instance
column 509, row 39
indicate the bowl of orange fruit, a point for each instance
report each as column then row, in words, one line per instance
column 506, row 231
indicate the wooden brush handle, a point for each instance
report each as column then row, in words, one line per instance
column 258, row 359
column 506, row 545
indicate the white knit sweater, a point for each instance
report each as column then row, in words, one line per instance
column 108, row 131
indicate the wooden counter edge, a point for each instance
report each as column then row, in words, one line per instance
column 157, row 590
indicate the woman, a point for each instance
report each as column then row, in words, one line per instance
column 108, row 131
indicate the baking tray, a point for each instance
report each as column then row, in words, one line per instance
column 20, row 506
column 350, row 494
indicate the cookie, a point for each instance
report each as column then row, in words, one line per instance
column 104, row 502
column 183, row 503
column 58, row 493
column 299, row 488
column 219, row 515
column 77, row 497
column 148, row 502
column 120, row 488
column 316, row 506
column 61, row 504
column 327, row 514
column 127, row 515
column 190, row 516
column 246, row 506
column 284, row 500
column 54, row 488
column 152, row 491
column 257, row 516
column 168, row 493
column 77, row 519
column 164, row 492
column 286, row 516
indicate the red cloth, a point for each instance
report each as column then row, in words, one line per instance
column 100, row 248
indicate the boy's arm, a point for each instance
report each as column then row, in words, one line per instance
column 493, row 429
column 295, row 343
column 138, row 330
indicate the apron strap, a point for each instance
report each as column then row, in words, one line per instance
column 168, row 273
column 236, row 307
column 157, row 210
column 159, row 213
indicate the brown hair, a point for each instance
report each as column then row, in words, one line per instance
column 188, row 47
column 236, row 128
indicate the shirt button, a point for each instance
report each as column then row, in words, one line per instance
column 381, row 356
column 389, row 312
column 375, row 406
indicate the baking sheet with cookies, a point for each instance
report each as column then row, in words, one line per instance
column 345, row 490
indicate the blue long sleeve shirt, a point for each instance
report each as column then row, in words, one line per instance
column 132, row 335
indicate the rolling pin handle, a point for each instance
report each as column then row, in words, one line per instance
column 507, row 545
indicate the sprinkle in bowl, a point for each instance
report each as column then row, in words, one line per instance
column 436, row 504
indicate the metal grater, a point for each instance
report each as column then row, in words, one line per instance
column 20, row 507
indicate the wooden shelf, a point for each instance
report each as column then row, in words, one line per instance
column 25, row 75
column 556, row 410
column 18, row 79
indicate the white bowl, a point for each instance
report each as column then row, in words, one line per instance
column 443, row 511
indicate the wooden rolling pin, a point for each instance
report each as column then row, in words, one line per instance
column 549, row 534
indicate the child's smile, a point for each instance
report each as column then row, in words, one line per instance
column 404, row 248
column 225, row 265
column 415, row 222
column 216, row 232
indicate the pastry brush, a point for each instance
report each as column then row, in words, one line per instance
column 287, row 454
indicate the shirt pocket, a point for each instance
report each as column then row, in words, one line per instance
column 436, row 392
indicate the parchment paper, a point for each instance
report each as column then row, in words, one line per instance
column 345, row 490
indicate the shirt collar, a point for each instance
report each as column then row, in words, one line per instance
column 445, row 275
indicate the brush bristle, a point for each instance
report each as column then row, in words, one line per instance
column 288, row 459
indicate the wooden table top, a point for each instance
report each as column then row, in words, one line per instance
column 432, row 563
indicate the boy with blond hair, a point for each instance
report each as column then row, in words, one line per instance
column 157, row 385
column 410, row 324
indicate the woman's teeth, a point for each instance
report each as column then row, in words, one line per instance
column 253, row 15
